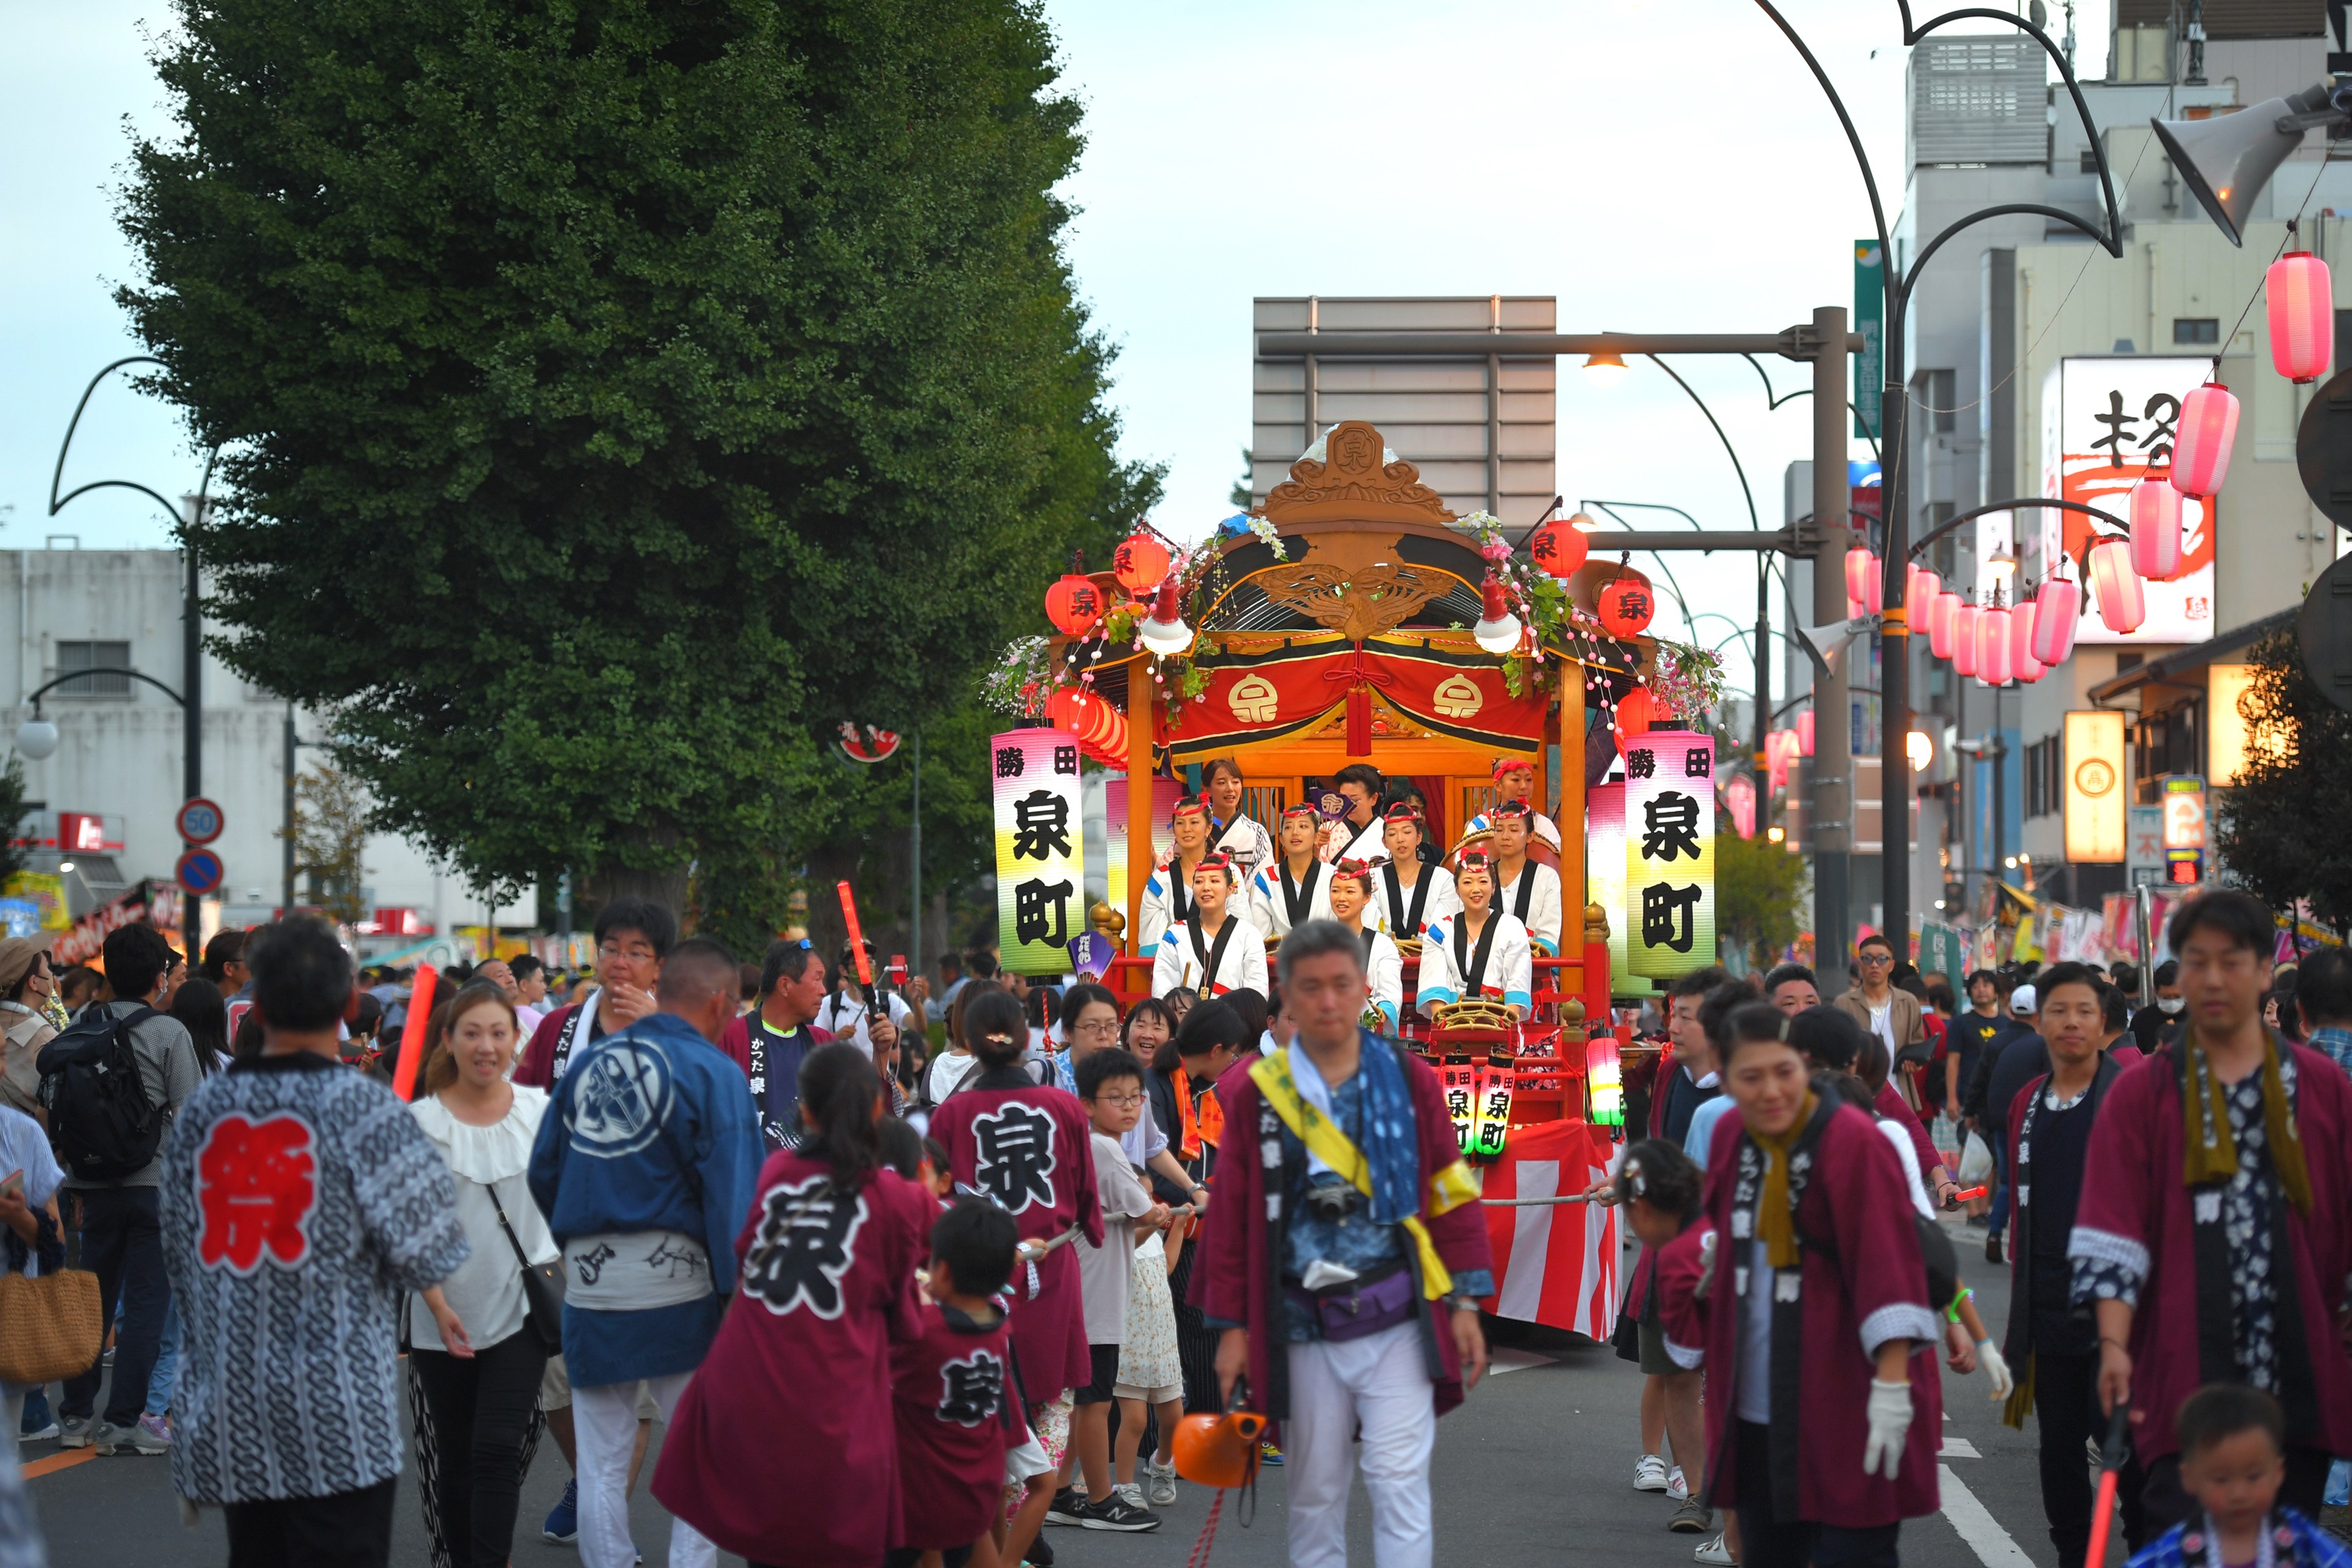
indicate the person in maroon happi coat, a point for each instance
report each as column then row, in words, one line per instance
column 1824, row 1402
column 2215, row 1228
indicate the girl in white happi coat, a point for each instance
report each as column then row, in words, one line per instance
column 1408, row 892
column 1167, row 892
column 1218, row 950
column 1529, row 890
column 1351, row 894
column 1242, row 837
column 1514, row 779
column 1295, row 886
column 1479, row 950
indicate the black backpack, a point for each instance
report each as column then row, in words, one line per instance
column 105, row 1126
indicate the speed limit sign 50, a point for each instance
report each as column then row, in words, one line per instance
column 200, row 821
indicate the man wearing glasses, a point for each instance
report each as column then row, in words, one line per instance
column 633, row 936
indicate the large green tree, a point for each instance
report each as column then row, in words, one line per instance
column 2280, row 832
column 617, row 395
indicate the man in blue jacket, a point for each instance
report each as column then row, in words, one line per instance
column 646, row 1166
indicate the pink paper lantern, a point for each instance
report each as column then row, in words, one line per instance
column 1992, row 647
column 2020, row 639
column 1864, row 585
column 2202, row 440
column 2156, row 530
column 1964, row 621
column 2122, row 604
column 2055, row 610
column 1805, row 733
column 1739, row 795
column 1919, row 594
column 2302, row 315
column 1940, row 617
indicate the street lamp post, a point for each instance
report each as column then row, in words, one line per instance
column 1894, row 681
column 187, row 516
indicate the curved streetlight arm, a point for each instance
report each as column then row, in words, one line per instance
column 1773, row 400
column 1730, row 450
column 57, row 477
column 1948, row 525
column 35, row 695
column 1609, row 506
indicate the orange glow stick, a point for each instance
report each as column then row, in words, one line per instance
column 856, row 936
column 412, row 1032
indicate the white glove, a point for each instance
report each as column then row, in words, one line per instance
column 1707, row 1264
column 1890, row 1422
column 1989, row 1357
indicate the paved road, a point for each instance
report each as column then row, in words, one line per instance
column 1535, row 1469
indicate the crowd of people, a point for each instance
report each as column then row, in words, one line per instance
column 990, row 1278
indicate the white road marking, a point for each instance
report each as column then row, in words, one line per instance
column 1959, row 1448
column 1503, row 1361
column 1983, row 1533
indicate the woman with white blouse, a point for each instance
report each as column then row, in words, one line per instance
column 1478, row 951
column 473, row 1350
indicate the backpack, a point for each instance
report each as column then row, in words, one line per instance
column 105, row 1126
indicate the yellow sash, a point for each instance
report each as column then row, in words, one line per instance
column 1448, row 1189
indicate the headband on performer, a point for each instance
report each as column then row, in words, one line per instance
column 1475, row 860
column 1189, row 806
column 1511, row 766
column 1216, row 860
column 1502, row 808
column 1359, row 871
column 1301, row 809
column 1404, row 811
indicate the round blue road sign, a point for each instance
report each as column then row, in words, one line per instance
column 200, row 871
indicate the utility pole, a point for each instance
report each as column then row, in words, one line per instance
column 915, row 854
column 1830, row 809
column 285, row 870
column 191, row 691
column 1895, row 634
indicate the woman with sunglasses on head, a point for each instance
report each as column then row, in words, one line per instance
column 1479, row 952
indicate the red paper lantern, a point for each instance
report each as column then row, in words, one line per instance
column 1139, row 563
column 1558, row 548
column 1941, row 616
column 1865, row 583
column 2055, row 610
column 1634, row 711
column 1065, row 709
column 1805, row 732
column 2207, row 428
column 1992, row 647
column 2123, row 604
column 1074, row 604
column 2156, row 530
column 1627, row 605
column 2302, row 315
column 1964, row 638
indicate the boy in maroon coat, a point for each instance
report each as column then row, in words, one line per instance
column 2222, row 1258
column 1342, row 1260
column 953, row 1390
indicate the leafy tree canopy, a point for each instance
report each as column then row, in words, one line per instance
column 618, row 395
column 2280, row 832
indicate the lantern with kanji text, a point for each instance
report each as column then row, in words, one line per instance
column 1074, row 604
column 1139, row 564
column 1627, row 604
column 1559, row 548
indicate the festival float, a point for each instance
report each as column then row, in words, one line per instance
column 1354, row 618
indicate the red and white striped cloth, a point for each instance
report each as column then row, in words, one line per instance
column 1555, row 1263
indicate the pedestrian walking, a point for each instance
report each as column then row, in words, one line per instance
column 300, row 1204
column 952, row 1393
column 772, row 1041
column 1343, row 1261
column 1184, row 1089
column 27, row 990
column 644, row 1166
column 475, row 1353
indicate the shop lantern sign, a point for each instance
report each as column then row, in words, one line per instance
column 1604, row 865
column 1670, row 852
column 1040, row 850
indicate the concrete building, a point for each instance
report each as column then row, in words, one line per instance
column 115, row 781
column 2019, row 306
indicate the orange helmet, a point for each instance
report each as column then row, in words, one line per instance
column 1219, row 1450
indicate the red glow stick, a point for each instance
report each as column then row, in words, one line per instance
column 1969, row 1194
column 412, row 1032
column 856, row 936
column 2111, row 1461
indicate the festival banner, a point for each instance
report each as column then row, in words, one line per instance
column 1670, row 852
column 1554, row 1264
column 1040, row 847
column 1604, row 868
column 1267, row 693
column 1165, row 794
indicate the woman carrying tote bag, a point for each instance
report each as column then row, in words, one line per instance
column 476, row 1356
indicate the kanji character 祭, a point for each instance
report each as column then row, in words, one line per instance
column 1015, row 1163
column 257, row 1183
column 803, row 1247
column 1670, row 826
column 971, row 1391
column 1666, row 915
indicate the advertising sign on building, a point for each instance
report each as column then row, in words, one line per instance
column 1870, row 320
column 2182, row 800
column 1041, row 848
column 2144, row 854
column 1670, row 852
column 2094, row 766
column 2107, row 424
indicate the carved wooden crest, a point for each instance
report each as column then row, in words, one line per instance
column 1350, row 484
column 1353, row 583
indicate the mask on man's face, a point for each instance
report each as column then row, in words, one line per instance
column 2170, row 1003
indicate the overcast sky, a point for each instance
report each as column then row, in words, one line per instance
column 1663, row 165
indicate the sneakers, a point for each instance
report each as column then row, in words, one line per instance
column 135, row 1438
column 1268, row 1454
column 29, row 1433
column 159, row 1427
column 562, row 1526
column 1039, row 1555
column 1677, row 1487
column 1692, row 1517
column 73, row 1431
column 1068, row 1507
column 1993, row 1247
column 1161, row 1484
column 1132, row 1491
column 1714, row 1552
column 1650, row 1474
column 1115, row 1512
